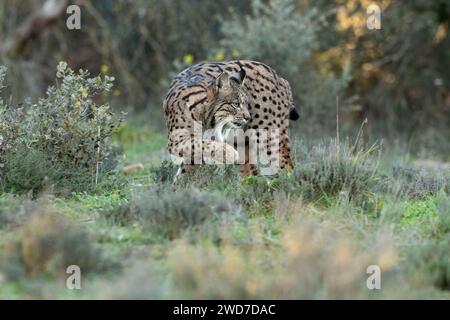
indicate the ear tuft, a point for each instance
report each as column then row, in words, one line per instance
column 242, row 74
column 239, row 76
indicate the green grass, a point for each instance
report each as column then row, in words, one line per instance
column 283, row 237
column 419, row 212
column 141, row 144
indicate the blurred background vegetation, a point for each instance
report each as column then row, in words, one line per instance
column 396, row 77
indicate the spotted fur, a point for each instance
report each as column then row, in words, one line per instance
column 228, row 95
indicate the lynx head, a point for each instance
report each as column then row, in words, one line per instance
column 228, row 101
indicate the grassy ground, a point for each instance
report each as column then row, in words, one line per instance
column 310, row 233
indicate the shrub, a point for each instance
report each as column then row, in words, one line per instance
column 69, row 125
column 418, row 183
column 429, row 263
column 308, row 263
column 10, row 128
column 168, row 213
column 322, row 172
column 275, row 32
column 66, row 135
column 330, row 169
column 29, row 169
column 254, row 193
column 48, row 243
column 258, row 193
column 420, row 213
column 427, row 260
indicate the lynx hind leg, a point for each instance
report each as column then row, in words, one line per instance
column 286, row 160
column 277, row 154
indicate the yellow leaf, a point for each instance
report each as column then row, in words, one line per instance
column 104, row 69
column 440, row 34
column 188, row 58
column 219, row 55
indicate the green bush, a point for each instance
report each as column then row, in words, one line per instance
column 168, row 213
column 418, row 212
column 275, row 33
column 10, row 128
column 323, row 172
column 65, row 137
column 29, row 169
column 427, row 259
column 69, row 125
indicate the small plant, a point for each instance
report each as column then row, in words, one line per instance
column 258, row 193
column 419, row 212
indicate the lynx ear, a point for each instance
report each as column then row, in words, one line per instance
column 223, row 81
column 220, row 86
column 239, row 76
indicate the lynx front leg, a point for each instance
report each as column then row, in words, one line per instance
column 182, row 169
column 248, row 168
column 204, row 152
